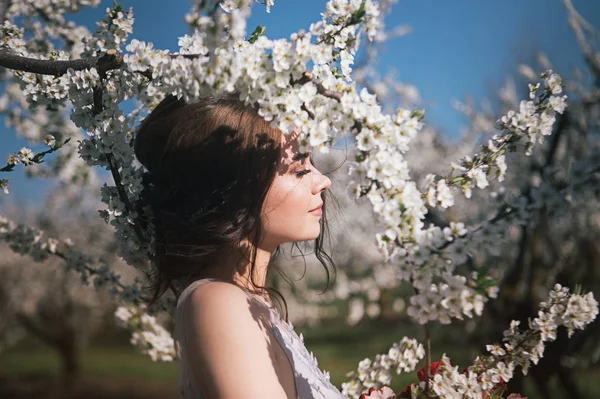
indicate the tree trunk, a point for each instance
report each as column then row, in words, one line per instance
column 70, row 360
column 65, row 343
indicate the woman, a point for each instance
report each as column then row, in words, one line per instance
column 226, row 190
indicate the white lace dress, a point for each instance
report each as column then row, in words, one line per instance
column 311, row 382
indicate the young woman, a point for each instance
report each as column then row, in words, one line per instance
column 226, row 190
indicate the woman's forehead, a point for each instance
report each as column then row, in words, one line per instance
column 290, row 147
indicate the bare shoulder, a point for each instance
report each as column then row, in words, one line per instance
column 228, row 342
column 217, row 293
column 220, row 307
column 218, row 301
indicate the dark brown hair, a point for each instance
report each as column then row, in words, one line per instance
column 210, row 165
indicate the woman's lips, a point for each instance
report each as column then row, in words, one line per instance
column 318, row 211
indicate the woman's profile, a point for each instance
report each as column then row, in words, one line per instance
column 226, row 190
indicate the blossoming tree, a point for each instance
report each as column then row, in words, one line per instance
column 78, row 81
column 47, row 301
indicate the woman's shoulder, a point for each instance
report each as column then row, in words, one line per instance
column 217, row 314
column 226, row 339
column 219, row 303
column 212, row 289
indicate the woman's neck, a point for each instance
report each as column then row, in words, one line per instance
column 234, row 265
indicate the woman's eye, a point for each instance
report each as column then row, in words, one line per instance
column 302, row 172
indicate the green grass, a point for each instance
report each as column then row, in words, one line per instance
column 98, row 361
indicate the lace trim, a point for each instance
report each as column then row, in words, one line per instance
column 317, row 380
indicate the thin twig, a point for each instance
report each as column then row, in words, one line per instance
column 427, row 356
column 93, row 271
column 427, row 347
column 122, row 194
column 308, row 77
column 37, row 158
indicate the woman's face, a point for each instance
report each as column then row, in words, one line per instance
column 292, row 208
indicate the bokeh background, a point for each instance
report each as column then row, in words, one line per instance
column 465, row 62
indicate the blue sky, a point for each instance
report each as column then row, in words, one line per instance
column 456, row 47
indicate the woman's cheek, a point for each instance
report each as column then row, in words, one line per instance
column 279, row 195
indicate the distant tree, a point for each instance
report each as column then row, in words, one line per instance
column 48, row 301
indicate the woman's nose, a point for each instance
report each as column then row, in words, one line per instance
column 321, row 183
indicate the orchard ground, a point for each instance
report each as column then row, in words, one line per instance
column 111, row 368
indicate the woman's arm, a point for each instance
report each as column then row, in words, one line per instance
column 228, row 344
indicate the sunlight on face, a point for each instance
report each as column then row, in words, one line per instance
column 291, row 211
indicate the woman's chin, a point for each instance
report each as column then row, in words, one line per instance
column 315, row 233
column 307, row 237
column 309, row 234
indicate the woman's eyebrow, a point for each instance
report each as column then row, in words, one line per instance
column 300, row 156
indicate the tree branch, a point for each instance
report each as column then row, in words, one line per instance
column 110, row 60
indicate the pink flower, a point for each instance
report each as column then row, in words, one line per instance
column 383, row 393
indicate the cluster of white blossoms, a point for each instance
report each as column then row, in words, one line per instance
column 449, row 382
column 440, row 294
column 12, row 37
column 452, row 298
column 111, row 32
column 26, row 156
column 402, row 357
column 532, row 122
column 526, row 347
column 382, row 175
column 428, row 256
column 148, row 335
column 520, row 349
column 230, row 5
